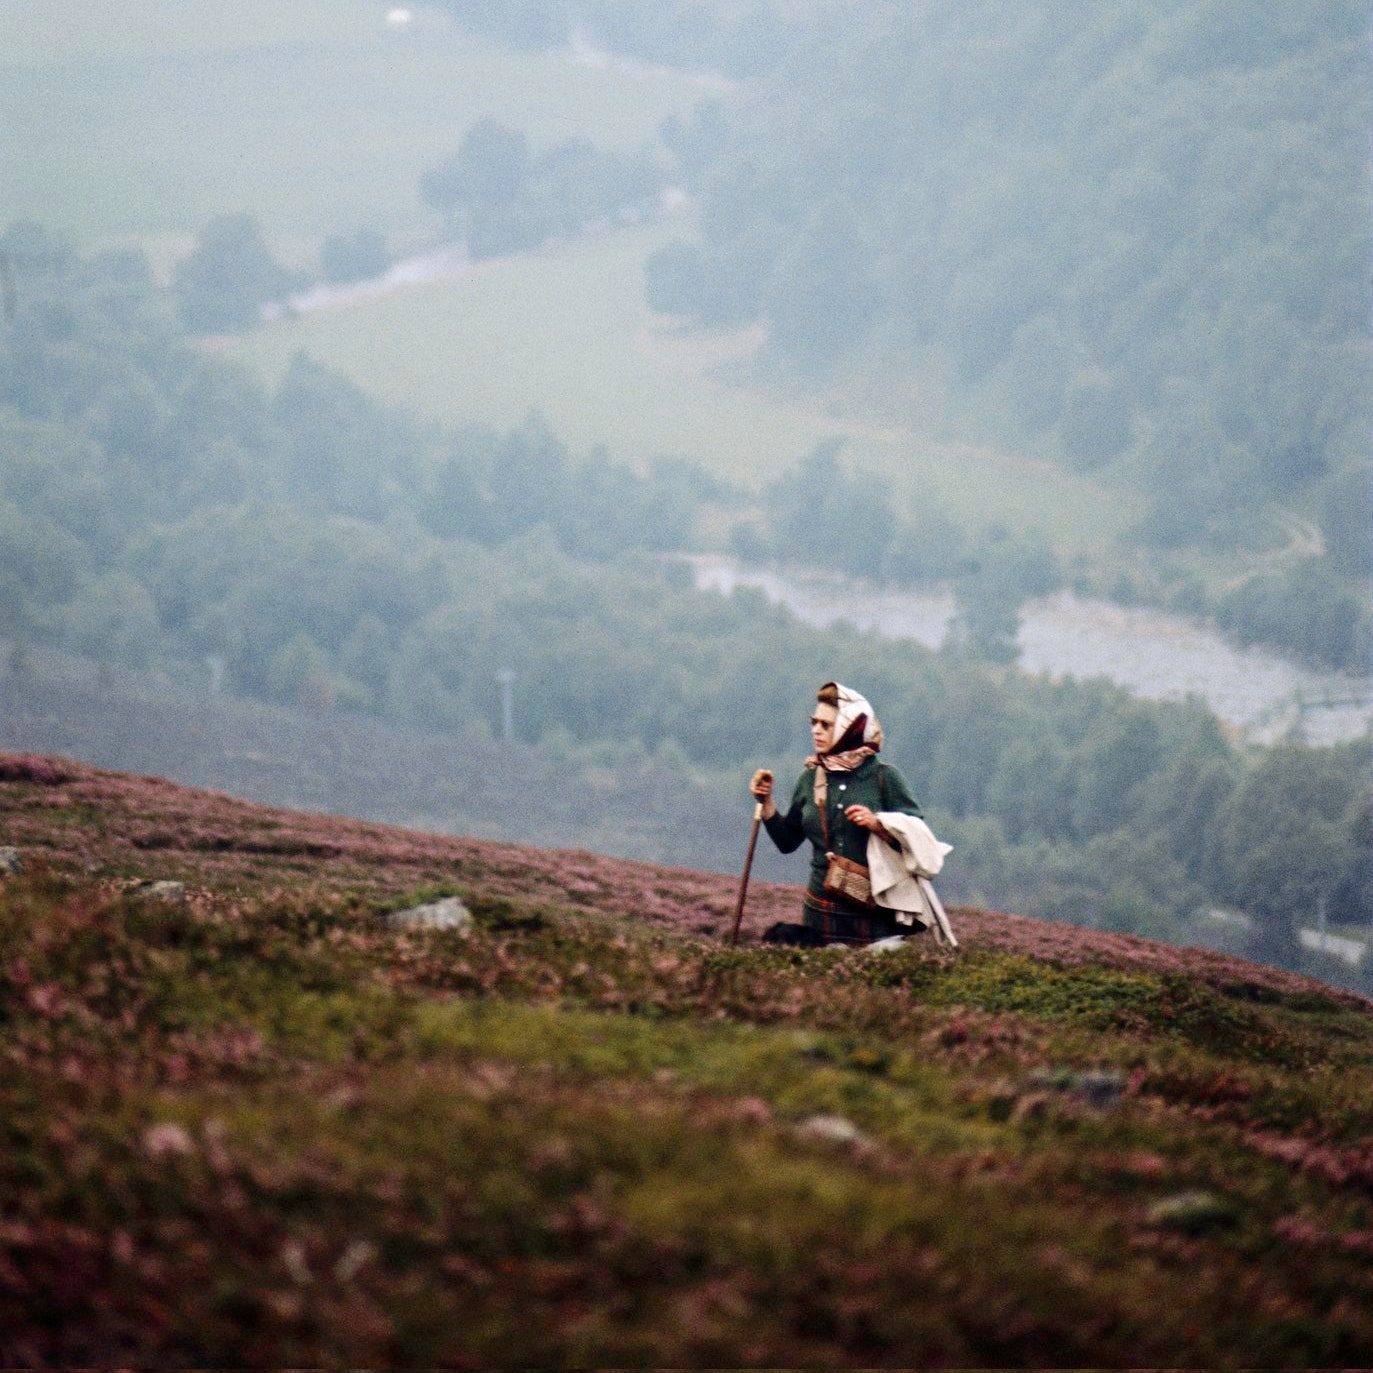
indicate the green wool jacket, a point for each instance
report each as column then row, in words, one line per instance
column 874, row 784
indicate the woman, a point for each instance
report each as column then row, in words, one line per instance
column 835, row 805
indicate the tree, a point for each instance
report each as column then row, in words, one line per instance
column 1283, row 840
column 1146, row 226
column 487, row 171
column 1283, row 881
column 1310, row 611
column 354, row 257
column 824, row 290
column 40, row 563
column 222, row 286
column 1352, row 897
column 299, row 673
column 993, row 582
column 1112, row 766
column 114, row 619
column 1029, row 792
column 339, row 449
column 823, row 513
column 1096, row 423
column 987, row 622
column 1347, row 521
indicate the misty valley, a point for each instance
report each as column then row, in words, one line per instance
column 488, row 488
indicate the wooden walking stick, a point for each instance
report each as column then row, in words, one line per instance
column 748, row 866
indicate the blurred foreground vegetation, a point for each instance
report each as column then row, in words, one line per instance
column 248, row 1123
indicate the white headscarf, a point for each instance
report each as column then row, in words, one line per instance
column 852, row 709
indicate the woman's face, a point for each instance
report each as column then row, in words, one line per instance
column 822, row 720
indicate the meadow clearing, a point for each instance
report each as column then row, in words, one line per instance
column 141, row 122
column 566, row 331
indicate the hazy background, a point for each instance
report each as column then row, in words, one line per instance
column 352, row 355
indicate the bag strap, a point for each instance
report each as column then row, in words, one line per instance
column 881, row 801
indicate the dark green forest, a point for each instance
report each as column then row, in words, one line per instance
column 1134, row 238
column 160, row 508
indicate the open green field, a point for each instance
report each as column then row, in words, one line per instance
column 566, row 331
column 143, row 119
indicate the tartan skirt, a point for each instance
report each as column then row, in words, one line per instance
column 839, row 921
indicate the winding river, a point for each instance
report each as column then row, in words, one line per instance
column 1154, row 654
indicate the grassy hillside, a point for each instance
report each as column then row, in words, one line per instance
column 257, row 1126
column 147, row 120
column 347, row 764
column 567, row 332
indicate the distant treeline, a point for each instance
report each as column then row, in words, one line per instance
column 158, row 507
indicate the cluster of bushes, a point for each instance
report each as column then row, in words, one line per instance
column 222, row 285
column 112, row 427
column 1022, row 209
column 501, row 196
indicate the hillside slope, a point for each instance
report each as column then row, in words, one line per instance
column 252, row 1124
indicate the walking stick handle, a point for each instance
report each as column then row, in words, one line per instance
column 743, row 880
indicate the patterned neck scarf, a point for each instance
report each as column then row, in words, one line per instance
column 857, row 737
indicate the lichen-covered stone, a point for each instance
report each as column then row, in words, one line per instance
column 1193, row 1212
column 172, row 892
column 447, row 914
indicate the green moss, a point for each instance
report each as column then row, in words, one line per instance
column 562, row 1140
column 504, row 916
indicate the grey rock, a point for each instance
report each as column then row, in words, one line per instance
column 831, row 1129
column 1193, row 1212
column 174, row 893
column 890, row 944
column 10, row 861
column 1096, row 1087
column 447, row 914
column 1101, row 1087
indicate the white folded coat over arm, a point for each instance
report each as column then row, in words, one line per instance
column 900, row 876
